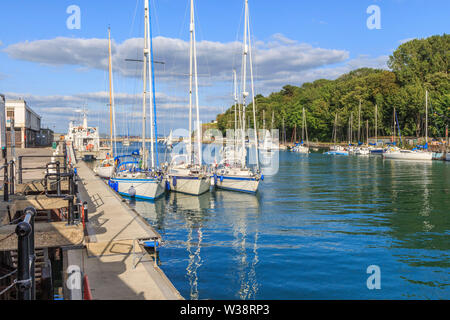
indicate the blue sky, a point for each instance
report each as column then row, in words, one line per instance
column 294, row 41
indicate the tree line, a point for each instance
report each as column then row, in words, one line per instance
column 416, row 66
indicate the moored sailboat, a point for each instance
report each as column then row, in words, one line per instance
column 237, row 176
column 106, row 168
column 185, row 174
column 420, row 152
column 135, row 179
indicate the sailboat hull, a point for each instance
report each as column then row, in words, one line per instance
column 240, row 184
column 409, row 155
column 146, row 189
column 193, row 185
column 104, row 172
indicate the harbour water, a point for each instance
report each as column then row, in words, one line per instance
column 312, row 231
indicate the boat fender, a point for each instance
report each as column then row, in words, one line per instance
column 168, row 185
column 132, row 192
column 262, row 177
column 221, row 178
column 215, row 179
column 174, row 182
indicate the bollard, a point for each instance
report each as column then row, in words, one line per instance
column 26, row 257
column 32, row 253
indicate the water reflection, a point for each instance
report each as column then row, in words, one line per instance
column 318, row 219
column 242, row 212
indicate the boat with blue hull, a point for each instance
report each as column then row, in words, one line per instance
column 233, row 174
column 141, row 186
column 135, row 178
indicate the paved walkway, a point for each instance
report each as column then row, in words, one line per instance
column 112, row 229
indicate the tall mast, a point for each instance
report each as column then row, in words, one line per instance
column 110, row 93
column 351, row 127
column 306, row 128
column 144, row 75
column 426, row 116
column 152, row 98
column 359, row 122
column 376, row 125
column 303, row 125
column 335, row 128
column 252, row 83
column 264, row 119
column 194, row 77
column 191, row 45
column 150, row 83
column 393, row 128
column 235, row 113
column 244, row 83
column 367, row 131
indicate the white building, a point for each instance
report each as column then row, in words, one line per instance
column 27, row 123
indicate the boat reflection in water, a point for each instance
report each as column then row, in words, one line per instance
column 191, row 209
column 188, row 225
column 240, row 211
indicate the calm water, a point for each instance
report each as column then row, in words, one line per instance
column 312, row 231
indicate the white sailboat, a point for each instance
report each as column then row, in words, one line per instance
column 374, row 149
column 360, row 150
column 239, row 177
column 336, row 150
column 417, row 153
column 302, row 147
column 186, row 174
column 106, row 168
column 135, row 179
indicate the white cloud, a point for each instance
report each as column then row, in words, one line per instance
column 60, row 109
column 277, row 62
column 272, row 59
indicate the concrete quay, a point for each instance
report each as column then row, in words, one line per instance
column 113, row 233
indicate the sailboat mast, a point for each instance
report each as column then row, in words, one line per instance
column 376, row 125
column 393, row 128
column 335, row 128
column 303, row 125
column 144, row 76
column 151, row 73
column 150, row 83
column 306, row 128
column 367, row 131
column 264, row 119
column 191, row 48
column 426, row 116
column 110, row 93
column 252, row 83
column 244, row 84
column 194, row 53
column 359, row 122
